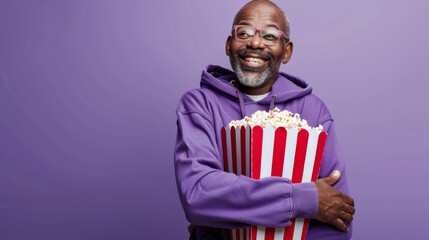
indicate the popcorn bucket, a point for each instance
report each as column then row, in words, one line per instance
column 259, row 152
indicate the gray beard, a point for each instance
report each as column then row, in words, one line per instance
column 250, row 81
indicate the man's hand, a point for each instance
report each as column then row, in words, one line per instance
column 335, row 207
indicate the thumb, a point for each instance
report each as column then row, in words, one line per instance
column 333, row 178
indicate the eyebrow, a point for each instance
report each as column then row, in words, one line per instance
column 243, row 23
column 273, row 26
column 266, row 26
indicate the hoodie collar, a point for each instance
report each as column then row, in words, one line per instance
column 285, row 88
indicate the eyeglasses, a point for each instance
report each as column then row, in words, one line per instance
column 269, row 36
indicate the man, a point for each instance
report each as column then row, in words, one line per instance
column 215, row 201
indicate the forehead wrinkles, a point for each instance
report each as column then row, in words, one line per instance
column 261, row 14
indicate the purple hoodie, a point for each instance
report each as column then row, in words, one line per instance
column 215, row 200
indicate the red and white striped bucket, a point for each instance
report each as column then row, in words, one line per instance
column 262, row 152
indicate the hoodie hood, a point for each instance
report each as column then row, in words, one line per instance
column 285, row 88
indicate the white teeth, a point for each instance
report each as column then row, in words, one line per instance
column 255, row 60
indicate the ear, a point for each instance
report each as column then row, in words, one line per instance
column 227, row 45
column 288, row 52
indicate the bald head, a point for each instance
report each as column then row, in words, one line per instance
column 280, row 15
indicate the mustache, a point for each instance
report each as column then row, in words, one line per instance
column 257, row 52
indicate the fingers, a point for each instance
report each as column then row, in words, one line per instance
column 348, row 200
column 346, row 217
column 349, row 209
column 333, row 178
column 341, row 225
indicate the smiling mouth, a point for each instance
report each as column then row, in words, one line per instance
column 254, row 60
column 253, row 63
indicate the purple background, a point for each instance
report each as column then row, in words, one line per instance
column 88, row 91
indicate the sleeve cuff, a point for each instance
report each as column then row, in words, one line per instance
column 305, row 200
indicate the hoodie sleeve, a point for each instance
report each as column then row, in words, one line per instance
column 212, row 197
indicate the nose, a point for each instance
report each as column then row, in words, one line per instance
column 256, row 41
